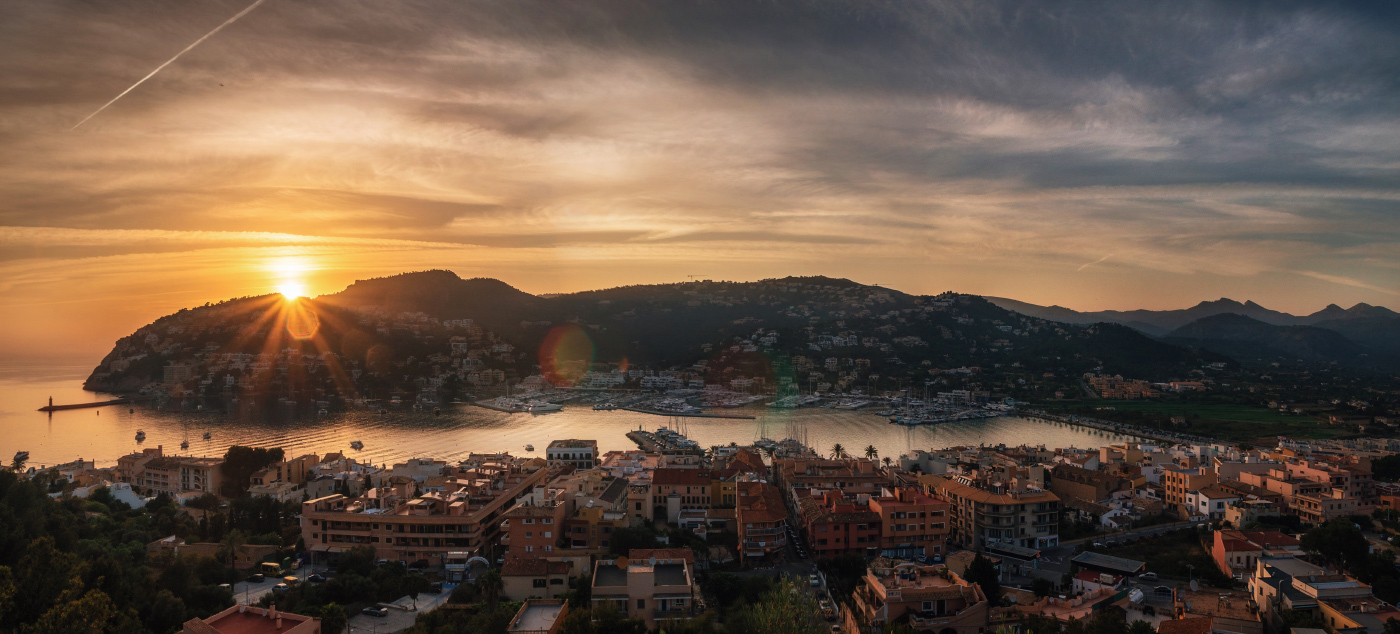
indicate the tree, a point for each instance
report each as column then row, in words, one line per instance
column 232, row 541
column 871, row 452
column 783, row 610
column 623, row 540
column 1339, row 541
column 887, row 461
column 490, row 584
column 1042, row 587
column 984, row 573
column 1139, row 626
column 838, row 451
column 334, row 618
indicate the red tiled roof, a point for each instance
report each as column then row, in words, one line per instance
column 683, row 477
column 760, row 502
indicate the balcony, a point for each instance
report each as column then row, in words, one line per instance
column 665, row 615
column 927, row 620
column 766, row 531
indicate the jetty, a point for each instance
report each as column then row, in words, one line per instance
column 54, row 408
column 687, row 414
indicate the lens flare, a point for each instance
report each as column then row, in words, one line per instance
column 302, row 322
column 566, row 355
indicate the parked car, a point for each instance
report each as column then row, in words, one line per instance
column 1098, row 544
column 436, row 587
column 257, row 578
column 1149, row 610
column 375, row 610
column 420, row 564
column 1161, row 590
column 816, row 581
column 315, row 578
column 1148, row 576
column 281, row 587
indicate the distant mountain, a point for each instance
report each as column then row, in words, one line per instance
column 1248, row 339
column 1371, row 326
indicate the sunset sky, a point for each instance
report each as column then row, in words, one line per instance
column 1093, row 155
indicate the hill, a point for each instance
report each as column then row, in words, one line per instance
column 434, row 333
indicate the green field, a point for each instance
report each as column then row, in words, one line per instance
column 1231, row 421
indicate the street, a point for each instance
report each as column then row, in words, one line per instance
column 250, row 593
column 398, row 620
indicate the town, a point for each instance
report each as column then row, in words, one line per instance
column 1175, row 537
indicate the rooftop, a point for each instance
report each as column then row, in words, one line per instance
column 573, row 443
column 537, row 615
column 1217, row 603
column 1109, row 562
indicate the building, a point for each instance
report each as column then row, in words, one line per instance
column 931, row 602
column 246, row 619
column 539, row 616
column 675, row 489
column 653, row 585
column 1178, row 481
column 762, row 520
column 535, row 578
column 851, row 476
column 912, row 523
column 1228, row 611
column 580, row 454
column 533, row 528
column 1237, row 552
column 837, row 525
column 174, row 475
column 464, row 517
column 1068, row 481
column 979, row 516
column 1210, row 501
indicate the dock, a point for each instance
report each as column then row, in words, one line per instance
column 54, row 408
column 688, row 414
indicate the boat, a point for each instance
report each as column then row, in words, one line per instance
column 208, row 435
column 21, row 455
column 356, row 445
column 321, row 412
column 184, row 444
column 537, row 407
column 603, row 407
column 140, row 435
column 529, row 447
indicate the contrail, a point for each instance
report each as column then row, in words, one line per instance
column 1093, row 263
column 170, row 61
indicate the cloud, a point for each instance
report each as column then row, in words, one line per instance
column 1347, row 281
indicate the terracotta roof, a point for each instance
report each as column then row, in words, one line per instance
column 760, row 502
column 951, row 488
column 683, row 477
column 1189, row 625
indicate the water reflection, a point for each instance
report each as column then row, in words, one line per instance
column 105, row 433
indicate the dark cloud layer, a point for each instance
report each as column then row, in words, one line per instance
column 1238, row 138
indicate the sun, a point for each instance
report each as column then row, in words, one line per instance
column 291, row 290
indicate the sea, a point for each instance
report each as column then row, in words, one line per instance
column 103, row 434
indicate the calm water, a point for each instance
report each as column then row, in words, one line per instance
column 105, row 433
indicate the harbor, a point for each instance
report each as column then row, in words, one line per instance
column 58, row 408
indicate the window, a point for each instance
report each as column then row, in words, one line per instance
column 528, row 534
column 548, row 549
column 641, row 604
column 548, row 534
column 547, row 520
column 529, row 549
column 556, row 582
column 540, row 583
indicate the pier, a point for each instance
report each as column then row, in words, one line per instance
column 54, row 408
column 688, row 414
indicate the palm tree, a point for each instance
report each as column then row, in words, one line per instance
column 871, row 452
column 838, row 451
column 491, row 585
column 887, row 461
column 232, row 541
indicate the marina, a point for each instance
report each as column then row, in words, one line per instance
column 394, row 433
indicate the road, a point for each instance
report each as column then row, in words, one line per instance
column 398, row 620
column 250, row 593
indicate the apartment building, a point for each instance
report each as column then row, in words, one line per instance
column 1177, row 481
column 534, row 578
column 761, row 518
column 656, row 586
column 984, row 513
column 463, row 518
column 851, row 476
column 679, row 489
column 931, row 600
column 1236, row 553
column 579, row 454
column 836, row 525
column 174, row 475
column 912, row 522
